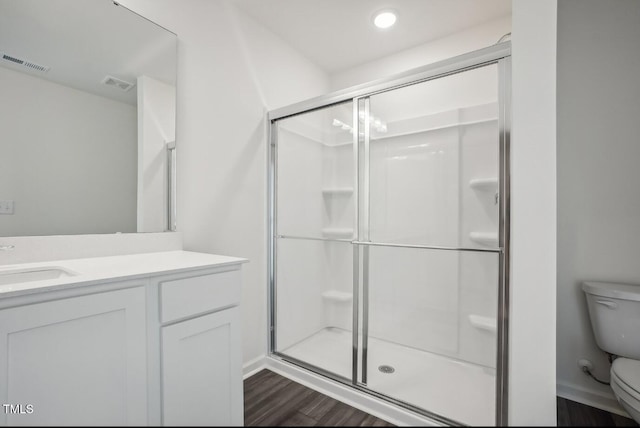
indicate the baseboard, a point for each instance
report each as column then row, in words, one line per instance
column 253, row 366
column 597, row 399
column 367, row 403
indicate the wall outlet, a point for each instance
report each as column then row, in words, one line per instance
column 6, row 207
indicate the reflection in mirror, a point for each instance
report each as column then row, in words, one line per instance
column 87, row 114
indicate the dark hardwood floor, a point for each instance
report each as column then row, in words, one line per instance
column 273, row 400
column 572, row 414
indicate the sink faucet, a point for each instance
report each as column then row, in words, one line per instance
column 7, row 247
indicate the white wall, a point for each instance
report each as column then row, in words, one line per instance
column 532, row 343
column 30, row 249
column 51, row 136
column 598, row 174
column 230, row 72
column 156, row 128
column 456, row 44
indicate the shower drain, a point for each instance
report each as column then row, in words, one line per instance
column 386, row 369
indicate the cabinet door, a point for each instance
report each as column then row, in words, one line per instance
column 202, row 371
column 77, row 361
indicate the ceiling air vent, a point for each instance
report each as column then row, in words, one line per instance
column 25, row 63
column 117, row 83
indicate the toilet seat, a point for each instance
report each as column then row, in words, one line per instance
column 628, row 372
column 625, row 382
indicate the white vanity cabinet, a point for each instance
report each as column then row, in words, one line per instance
column 77, row 361
column 163, row 347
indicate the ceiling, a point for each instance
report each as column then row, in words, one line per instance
column 85, row 40
column 339, row 34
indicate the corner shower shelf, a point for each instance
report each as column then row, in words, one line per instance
column 337, row 191
column 337, row 296
column 337, row 232
column 485, row 238
column 483, row 323
column 484, row 183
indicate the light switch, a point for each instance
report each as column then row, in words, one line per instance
column 6, row 207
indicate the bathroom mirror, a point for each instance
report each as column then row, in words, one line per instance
column 87, row 113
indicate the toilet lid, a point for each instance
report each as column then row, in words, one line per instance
column 628, row 371
column 612, row 290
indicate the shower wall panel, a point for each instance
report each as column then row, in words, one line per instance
column 413, row 298
column 410, row 176
column 433, row 181
column 304, row 268
column 300, row 173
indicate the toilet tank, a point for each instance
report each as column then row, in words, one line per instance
column 614, row 310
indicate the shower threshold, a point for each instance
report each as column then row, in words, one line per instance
column 455, row 389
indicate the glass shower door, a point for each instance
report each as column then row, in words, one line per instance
column 429, row 237
column 315, row 218
column 388, row 224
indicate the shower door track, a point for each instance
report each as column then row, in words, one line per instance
column 499, row 54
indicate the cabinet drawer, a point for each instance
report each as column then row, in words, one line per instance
column 184, row 297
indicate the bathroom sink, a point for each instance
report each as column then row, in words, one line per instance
column 15, row 276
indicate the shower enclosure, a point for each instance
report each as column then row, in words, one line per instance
column 388, row 213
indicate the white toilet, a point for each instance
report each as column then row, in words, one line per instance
column 614, row 310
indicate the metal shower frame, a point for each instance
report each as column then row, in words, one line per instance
column 499, row 54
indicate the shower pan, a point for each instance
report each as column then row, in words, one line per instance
column 389, row 237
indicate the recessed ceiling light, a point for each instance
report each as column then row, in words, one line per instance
column 384, row 19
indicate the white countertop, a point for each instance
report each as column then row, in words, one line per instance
column 100, row 269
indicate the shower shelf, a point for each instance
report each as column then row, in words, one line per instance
column 337, row 191
column 483, row 323
column 485, row 238
column 337, row 296
column 484, row 183
column 337, row 232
